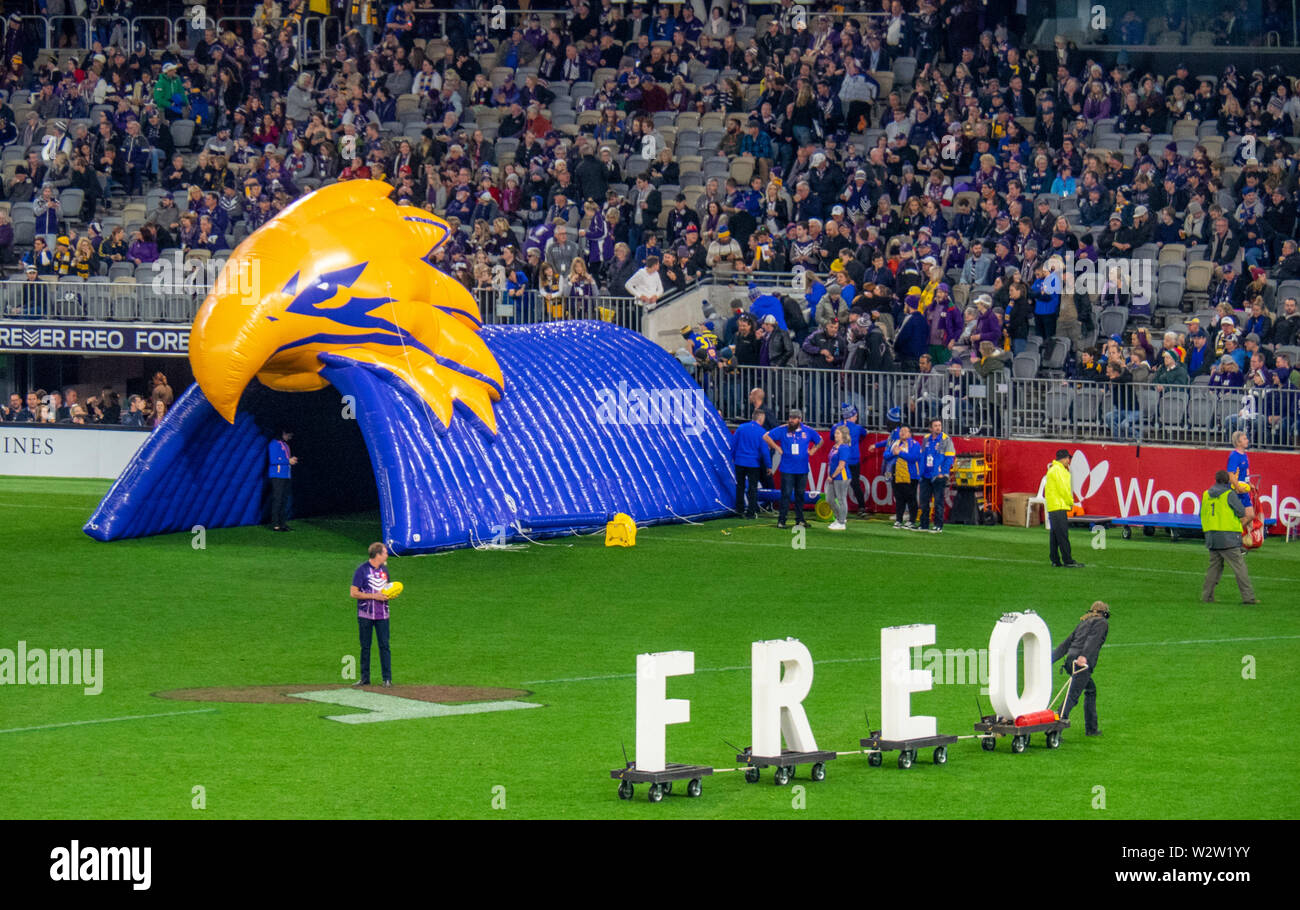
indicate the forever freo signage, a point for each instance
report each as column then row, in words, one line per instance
column 93, row 338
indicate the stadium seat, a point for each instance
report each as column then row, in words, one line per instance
column 183, row 133
column 1088, row 401
column 1229, row 405
column 1113, row 320
column 1173, row 408
column 1058, row 353
column 1024, row 366
column 1058, row 408
column 1169, row 294
column 1172, row 253
column 1202, row 407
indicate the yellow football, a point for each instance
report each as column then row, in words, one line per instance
column 393, row 589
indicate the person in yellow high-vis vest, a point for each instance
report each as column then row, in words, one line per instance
column 1221, row 515
column 1059, row 494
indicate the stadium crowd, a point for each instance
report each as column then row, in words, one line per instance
column 67, row 407
column 933, row 177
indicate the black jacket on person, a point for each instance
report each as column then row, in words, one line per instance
column 590, row 177
column 1086, row 639
column 619, row 273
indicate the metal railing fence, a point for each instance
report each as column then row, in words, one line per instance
column 1003, row 406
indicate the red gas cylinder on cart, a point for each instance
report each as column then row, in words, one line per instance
column 1037, row 717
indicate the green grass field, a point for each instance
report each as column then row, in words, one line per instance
column 1185, row 735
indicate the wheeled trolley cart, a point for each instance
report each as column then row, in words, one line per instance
column 661, row 782
column 906, row 748
column 785, row 764
column 991, row 727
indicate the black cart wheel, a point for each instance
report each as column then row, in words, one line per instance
column 1053, row 739
column 1018, row 743
column 693, row 788
column 625, row 789
column 666, row 787
column 988, row 743
column 782, row 775
column 751, row 775
column 875, row 759
column 1126, row 533
column 905, row 759
column 941, row 755
column 819, row 771
column 656, row 794
column 1148, row 532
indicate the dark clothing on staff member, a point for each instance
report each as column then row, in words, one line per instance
column 1085, row 641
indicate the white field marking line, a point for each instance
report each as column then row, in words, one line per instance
column 932, row 554
column 108, row 720
column 863, row 660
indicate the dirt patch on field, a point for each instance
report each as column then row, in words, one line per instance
column 283, row 695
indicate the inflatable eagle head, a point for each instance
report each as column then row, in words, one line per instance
column 338, row 277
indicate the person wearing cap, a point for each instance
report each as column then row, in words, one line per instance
column 913, row 337
column 1225, row 374
column 1058, row 492
column 1082, row 650
column 1171, row 371
column 796, row 444
column 762, row 305
column 854, row 432
column 1223, row 515
column 724, row 250
column 169, row 90
column 753, row 461
column 1200, row 356
column 775, row 345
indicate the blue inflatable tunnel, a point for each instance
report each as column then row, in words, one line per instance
column 593, row 419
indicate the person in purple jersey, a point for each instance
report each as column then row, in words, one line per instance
column 368, row 583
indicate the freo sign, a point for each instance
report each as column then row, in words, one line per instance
column 782, row 677
column 27, row 337
column 1110, row 479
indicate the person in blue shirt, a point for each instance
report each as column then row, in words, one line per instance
column 753, row 461
column 761, row 305
column 279, row 472
column 796, row 443
column 907, row 469
column 937, row 456
column 838, row 462
column 1046, row 293
column 1239, row 473
column 849, row 413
